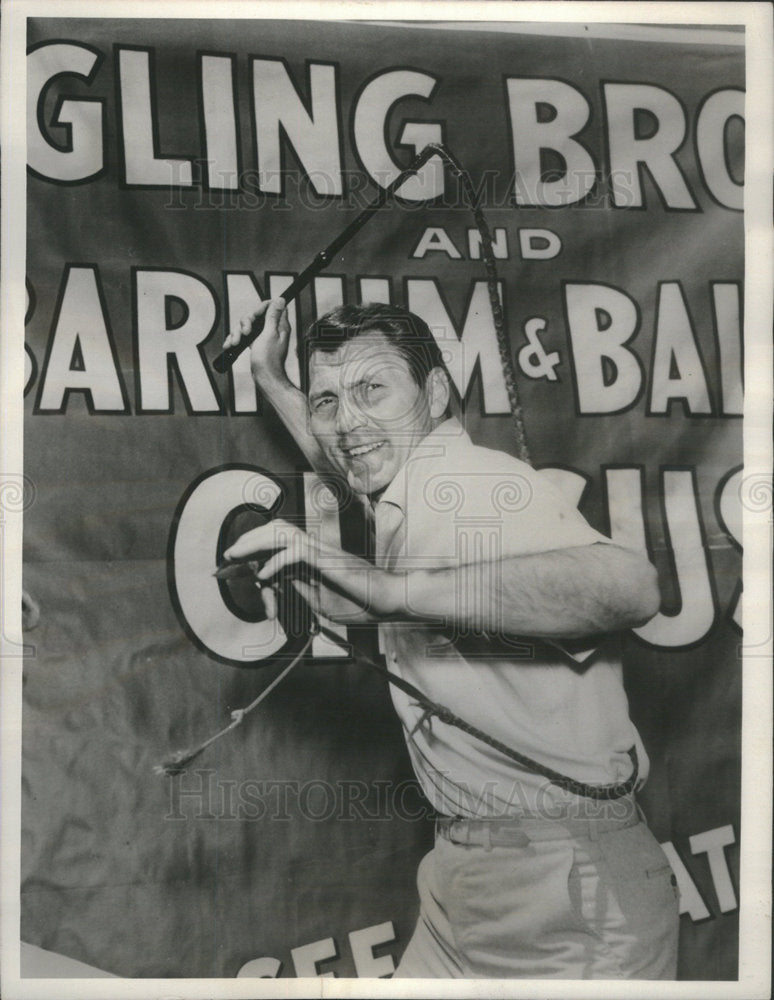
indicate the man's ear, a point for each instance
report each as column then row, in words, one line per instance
column 438, row 392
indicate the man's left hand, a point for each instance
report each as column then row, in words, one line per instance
column 371, row 589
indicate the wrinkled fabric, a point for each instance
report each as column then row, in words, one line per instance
column 565, row 908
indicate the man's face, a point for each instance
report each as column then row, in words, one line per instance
column 366, row 410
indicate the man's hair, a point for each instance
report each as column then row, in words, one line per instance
column 407, row 333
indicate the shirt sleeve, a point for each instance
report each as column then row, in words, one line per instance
column 521, row 511
column 524, row 513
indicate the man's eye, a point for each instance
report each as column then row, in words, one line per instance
column 324, row 403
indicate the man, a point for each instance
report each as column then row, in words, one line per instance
column 485, row 579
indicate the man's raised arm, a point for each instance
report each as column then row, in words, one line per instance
column 267, row 363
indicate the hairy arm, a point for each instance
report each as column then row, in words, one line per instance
column 563, row 594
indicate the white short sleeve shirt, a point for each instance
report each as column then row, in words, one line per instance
column 454, row 503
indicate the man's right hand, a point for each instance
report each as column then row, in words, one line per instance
column 269, row 350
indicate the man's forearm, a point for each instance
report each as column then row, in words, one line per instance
column 563, row 594
column 290, row 404
column 567, row 594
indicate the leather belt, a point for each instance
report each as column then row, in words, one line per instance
column 520, row 831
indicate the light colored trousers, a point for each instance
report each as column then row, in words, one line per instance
column 594, row 905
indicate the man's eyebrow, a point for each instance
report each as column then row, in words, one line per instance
column 320, row 393
column 366, row 380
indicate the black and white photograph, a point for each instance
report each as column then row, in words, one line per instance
column 386, row 499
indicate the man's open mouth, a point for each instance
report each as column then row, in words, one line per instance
column 362, row 449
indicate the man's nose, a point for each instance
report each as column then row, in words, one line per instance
column 348, row 415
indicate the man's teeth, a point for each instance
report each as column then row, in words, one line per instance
column 362, row 449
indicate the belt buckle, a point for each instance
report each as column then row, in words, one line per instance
column 443, row 827
column 455, row 829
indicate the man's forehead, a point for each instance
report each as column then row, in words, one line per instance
column 371, row 349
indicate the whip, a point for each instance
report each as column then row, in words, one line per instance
column 178, row 762
column 226, row 358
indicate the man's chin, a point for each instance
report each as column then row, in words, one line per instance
column 362, row 481
column 361, row 476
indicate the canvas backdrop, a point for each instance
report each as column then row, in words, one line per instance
column 180, row 170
